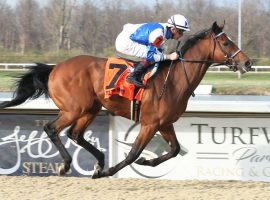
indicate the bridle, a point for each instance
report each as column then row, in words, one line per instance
column 229, row 61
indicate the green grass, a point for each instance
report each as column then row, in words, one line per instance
column 7, row 80
column 223, row 83
column 247, row 84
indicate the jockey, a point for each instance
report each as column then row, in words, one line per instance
column 146, row 41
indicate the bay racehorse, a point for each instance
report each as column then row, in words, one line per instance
column 76, row 87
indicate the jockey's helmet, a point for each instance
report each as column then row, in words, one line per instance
column 178, row 21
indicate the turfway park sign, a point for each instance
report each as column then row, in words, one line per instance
column 235, row 148
column 230, row 142
column 25, row 148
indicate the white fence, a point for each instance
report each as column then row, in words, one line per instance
column 224, row 68
column 17, row 66
column 221, row 68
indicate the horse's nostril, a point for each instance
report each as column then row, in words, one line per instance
column 248, row 64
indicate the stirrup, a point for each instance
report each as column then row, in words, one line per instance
column 135, row 82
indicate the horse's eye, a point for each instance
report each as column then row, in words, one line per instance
column 226, row 43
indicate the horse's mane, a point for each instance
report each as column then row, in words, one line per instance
column 193, row 40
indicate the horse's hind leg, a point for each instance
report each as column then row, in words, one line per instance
column 168, row 134
column 53, row 129
column 76, row 133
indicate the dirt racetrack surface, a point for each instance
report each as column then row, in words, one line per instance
column 72, row 188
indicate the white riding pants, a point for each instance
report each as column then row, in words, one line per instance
column 125, row 45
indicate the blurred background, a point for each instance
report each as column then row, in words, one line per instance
column 231, row 114
column 53, row 30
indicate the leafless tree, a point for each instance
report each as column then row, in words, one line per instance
column 28, row 20
column 8, row 27
column 57, row 18
column 91, row 27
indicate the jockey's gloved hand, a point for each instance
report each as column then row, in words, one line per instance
column 172, row 56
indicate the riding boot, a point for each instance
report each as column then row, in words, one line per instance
column 135, row 76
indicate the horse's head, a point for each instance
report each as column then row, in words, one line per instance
column 226, row 50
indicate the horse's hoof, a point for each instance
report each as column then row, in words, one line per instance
column 101, row 174
column 61, row 171
column 97, row 167
column 97, row 174
column 140, row 161
column 97, row 171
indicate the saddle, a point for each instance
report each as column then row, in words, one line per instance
column 116, row 71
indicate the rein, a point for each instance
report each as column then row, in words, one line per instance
column 182, row 60
column 166, row 79
column 204, row 61
column 229, row 61
column 186, row 75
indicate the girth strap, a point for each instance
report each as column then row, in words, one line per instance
column 135, row 110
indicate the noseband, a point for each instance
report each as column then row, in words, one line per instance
column 230, row 61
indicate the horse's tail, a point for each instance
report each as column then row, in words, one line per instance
column 31, row 85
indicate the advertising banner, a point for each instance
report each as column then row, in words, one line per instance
column 25, row 148
column 212, row 148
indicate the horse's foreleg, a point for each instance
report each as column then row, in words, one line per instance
column 146, row 134
column 168, row 134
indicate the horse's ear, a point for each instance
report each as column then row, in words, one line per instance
column 222, row 25
column 216, row 28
